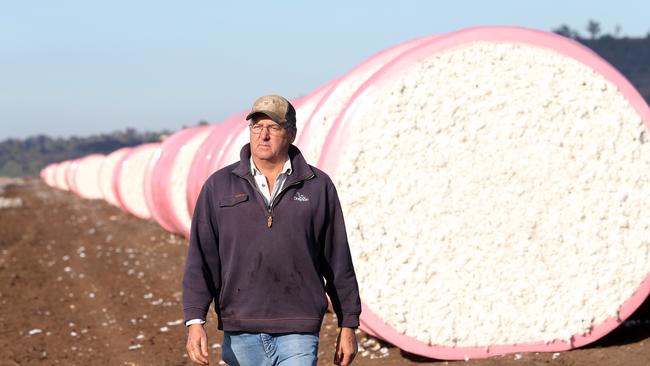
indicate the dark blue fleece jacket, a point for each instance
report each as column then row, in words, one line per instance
column 269, row 279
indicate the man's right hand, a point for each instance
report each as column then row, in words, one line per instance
column 197, row 344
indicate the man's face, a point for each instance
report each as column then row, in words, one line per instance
column 272, row 141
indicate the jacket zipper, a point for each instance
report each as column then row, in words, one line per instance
column 269, row 208
column 269, row 219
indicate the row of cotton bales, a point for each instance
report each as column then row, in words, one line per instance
column 493, row 180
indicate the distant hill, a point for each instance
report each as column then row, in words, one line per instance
column 631, row 56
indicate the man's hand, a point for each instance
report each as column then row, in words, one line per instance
column 346, row 347
column 197, row 344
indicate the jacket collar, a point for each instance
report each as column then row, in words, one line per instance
column 300, row 169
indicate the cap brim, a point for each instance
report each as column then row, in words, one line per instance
column 274, row 116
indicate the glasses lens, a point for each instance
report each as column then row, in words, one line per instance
column 274, row 129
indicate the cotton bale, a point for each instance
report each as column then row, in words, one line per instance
column 50, row 176
column 106, row 173
column 168, row 176
column 60, row 176
column 335, row 96
column 70, row 173
column 221, row 157
column 129, row 180
column 53, row 175
column 87, row 176
column 50, row 172
column 494, row 184
column 199, row 167
column 207, row 157
column 307, row 105
column 45, row 174
column 230, row 151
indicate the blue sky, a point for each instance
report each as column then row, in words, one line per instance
column 84, row 67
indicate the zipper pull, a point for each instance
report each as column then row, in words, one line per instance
column 269, row 219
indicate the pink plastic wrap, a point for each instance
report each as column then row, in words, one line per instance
column 70, row 175
column 168, row 177
column 87, row 176
column 207, row 157
column 50, row 172
column 129, row 180
column 61, row 175
column 106, row 173
column 230, row 152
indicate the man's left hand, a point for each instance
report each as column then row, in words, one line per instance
column 346, row 347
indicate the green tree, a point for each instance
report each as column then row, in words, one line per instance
column 593, row 27
column 566, row 31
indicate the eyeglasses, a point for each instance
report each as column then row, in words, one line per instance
column 274, row 129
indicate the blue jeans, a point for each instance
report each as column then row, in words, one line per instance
column 264, row 349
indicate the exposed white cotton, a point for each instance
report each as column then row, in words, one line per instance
column 496, row 193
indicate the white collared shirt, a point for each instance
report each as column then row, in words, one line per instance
column 260, row 180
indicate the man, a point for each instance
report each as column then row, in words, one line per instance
column 267, row 242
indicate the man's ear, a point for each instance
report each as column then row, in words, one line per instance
column 294, row 132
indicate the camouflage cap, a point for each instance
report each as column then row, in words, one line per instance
column 276, row 108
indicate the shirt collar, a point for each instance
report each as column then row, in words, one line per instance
column 285, row 169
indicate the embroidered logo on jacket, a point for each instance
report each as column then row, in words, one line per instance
column 300, row 197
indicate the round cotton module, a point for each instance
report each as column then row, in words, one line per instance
column 199, row 167
column 129, row 180
column 230, row 152
column 238, row 124
column 50, row 175
column 158, row 176
column 307, row 105
column 334, row 98
column 206, row 156
column 61, row 175
column 168, row 176
column 70, row 173
column 106, row 173
column 87, row 176
column 494, row 184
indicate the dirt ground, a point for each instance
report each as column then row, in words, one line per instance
column 82, row 283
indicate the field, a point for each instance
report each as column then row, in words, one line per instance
column 83, row 283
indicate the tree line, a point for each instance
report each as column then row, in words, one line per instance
column 594, row 29
column 26, row 157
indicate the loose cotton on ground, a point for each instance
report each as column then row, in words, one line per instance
column 503, row 197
